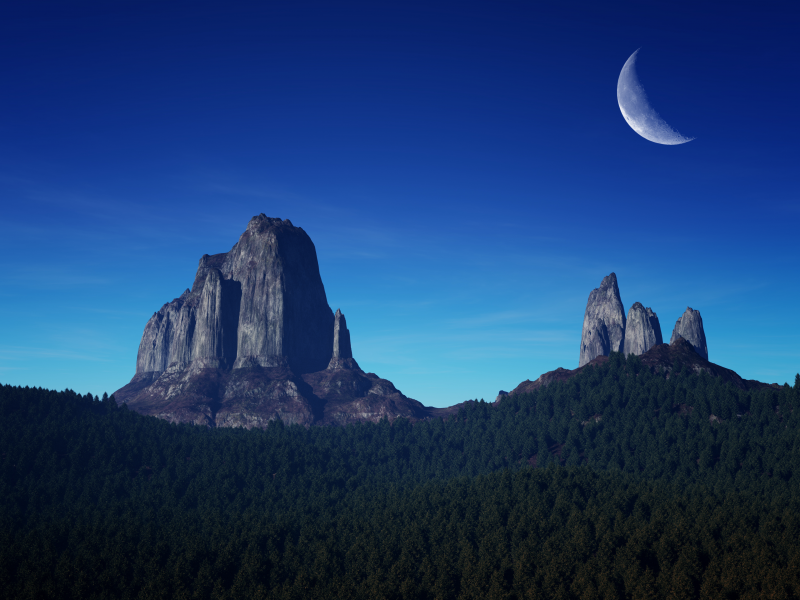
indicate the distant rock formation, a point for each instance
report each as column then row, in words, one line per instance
column 603, row 322
column 690, row 328
column 255, row 340
column 660, row 359
column 642, row 330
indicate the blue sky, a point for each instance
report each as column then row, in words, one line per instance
column 463, row 169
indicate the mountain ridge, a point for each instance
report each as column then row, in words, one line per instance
column 663, row 358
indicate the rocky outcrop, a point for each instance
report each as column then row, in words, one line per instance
column 349, row 395
column 679, row 352
column 642, row 330
column 254, row 340
column 690, row 328
column 603, row 322
column 342, row 357
column 661, row 359
column 249, row 397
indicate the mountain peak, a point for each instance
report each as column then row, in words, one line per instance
column 262, row 222
column 253, row 340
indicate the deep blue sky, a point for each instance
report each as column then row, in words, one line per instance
column 463, row 169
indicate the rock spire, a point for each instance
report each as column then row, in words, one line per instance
column 342, row 357
column 690, row 328
column 603, row 322
column 661, row 360
column 642, row 330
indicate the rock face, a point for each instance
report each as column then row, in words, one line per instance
column 642, row 330
column 254, row 340
column 261, row 304
column 603, row 322
column 690, row 328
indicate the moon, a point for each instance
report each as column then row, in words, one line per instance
column 637, row 111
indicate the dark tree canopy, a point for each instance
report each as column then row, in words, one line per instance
column 616, row 483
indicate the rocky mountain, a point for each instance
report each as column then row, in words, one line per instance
column 254, row 339
column 663, row 358
column 690, row 328
column 606, row 330
column 262, row 303
column 603, row 322
column 642, row 330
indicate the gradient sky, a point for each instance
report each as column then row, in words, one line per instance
column 463, row 169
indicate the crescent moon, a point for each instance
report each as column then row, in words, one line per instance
column 637, row 111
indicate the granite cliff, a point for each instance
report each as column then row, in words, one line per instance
column 642, row 330
column 262, row 303
column 253, row 340
column 603, row 322
column 690, row 328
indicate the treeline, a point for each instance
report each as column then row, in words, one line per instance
column 534, row 533
column 663, row 477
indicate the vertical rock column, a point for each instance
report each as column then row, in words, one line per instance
column 690, row 328
column 642, row 330
column 603, row 322
column 214, row 342
column 341, row 337
column 342, row 357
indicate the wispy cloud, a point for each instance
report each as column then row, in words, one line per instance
column 24, row 353
column 406, row 349
column 508, row 317
column 48, row 277
column 98, row 218
column 763, row 350
column 109, row 311
column 264, row 192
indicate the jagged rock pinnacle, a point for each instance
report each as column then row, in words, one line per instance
column 690, row 328
column 342, row 357
column 642, row 330
column 603, row 322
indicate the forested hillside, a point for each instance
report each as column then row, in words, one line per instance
column 616, row 483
